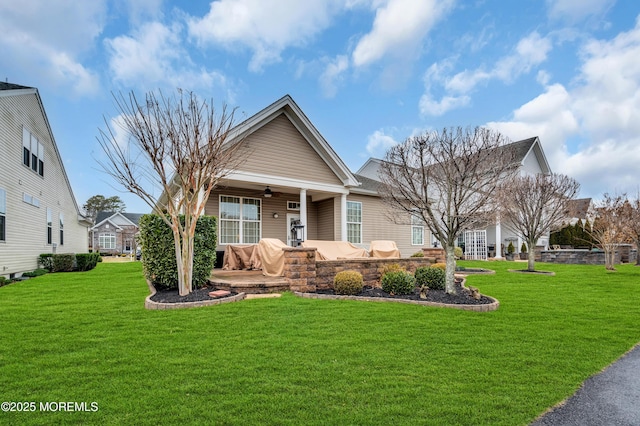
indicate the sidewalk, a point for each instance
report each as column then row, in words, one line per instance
column 611, row 397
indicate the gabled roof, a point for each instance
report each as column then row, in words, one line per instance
column 580, row 208
column 103, row 217
column 287, row 105
column 368, row 185
column 525, row 147
column 10, row 89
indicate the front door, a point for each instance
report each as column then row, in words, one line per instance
column 290, row 218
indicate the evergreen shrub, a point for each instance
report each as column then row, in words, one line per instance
column 159, row 260
column 434, row 278
column 398, row 282
column 348, row 282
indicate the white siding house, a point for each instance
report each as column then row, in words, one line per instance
column 38, row 211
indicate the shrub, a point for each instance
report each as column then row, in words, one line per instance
column 442, row 266
column 46, row 261
column 35, row 273
column 510, row 248
column 86, row 261
column 398, row 282
column 457, row 252
column 434, row 278
column 523, row 248
column 159, row 260
column 63, row 262
column 348, row 282
column 392, row 267
column 418, row 254
column 4, row 281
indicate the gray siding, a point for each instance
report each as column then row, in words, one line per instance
column 279, row 149
column 378, row 224
column 26, row 223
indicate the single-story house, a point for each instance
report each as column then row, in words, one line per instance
column 115, row 233
column 38, row 211
column 293, row 181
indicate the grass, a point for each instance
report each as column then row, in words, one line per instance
column 86, row 337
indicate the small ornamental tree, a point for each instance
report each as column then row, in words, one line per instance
column 610, row 229
column 448, row 180
column 533, row 205
column 179, row 148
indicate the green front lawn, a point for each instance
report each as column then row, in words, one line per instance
column 86, row 337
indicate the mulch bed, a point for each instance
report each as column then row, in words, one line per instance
column 439, row 296
column 172, row 296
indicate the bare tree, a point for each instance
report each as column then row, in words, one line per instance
column 632, row 213
column 447, row 179
column 178, row 151
column 609, row 228
column 533, row 205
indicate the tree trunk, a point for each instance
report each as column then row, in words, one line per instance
column 609, row 255
column 638, row 252
column 531, row 260
column 451, row 268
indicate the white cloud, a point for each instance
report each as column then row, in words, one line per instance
column 601, row 111
column 155, row 56
column 266, row 27
column 48, row 39
column 396, row 32
column 378, row 143
column 530, row 51
column 333, row 75
column 576, row 10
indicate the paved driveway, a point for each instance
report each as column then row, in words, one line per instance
column 608, row 398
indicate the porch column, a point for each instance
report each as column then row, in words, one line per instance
column 303, row 212
column 343, row 217
column 498, row 238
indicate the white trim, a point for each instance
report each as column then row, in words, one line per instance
column 264, row 179
column 343, row 217
column 303, row 212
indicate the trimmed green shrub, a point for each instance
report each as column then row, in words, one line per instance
column 4, row 281
column 442, row 266
column 63, row 262
column 434, row 278
column 398, row 282
column 392, row 267
column 86, row 261
column 46, row 261
column 35, row 273
column 348, row 282
column 418, row 254
column 523, row 248
column 159, row 260
column 457, row 252
column 510, row 248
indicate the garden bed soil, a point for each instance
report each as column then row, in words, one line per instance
column 172, row 296
column 462, row 297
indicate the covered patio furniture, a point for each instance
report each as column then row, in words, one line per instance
column 384, row 249
column 271, row 256
column 334, row 250
column 241, row 257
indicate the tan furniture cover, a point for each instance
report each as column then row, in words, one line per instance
column 384, row 249
column 241, row 257
column 334, row 250
column 272, row 256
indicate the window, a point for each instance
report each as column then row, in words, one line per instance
column 29, row 199
column 49, row 226
column 293, row 205
column 354, row 222
column 61, row 229
column 127, row 245
column 3, row 215
column 32, row 152
column 107, row 241
column 239, row 220
column 417, row 230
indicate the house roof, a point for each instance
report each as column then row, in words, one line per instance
column 103, row 217
column 367, row 184
column 5, row 85
column 579, row 208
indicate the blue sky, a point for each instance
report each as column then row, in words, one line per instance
column 368, row 73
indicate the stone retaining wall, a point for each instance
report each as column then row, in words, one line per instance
column 576, row 257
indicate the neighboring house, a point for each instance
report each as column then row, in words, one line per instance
column 292, row 175
column 581, row 209
column 489, row 242
column 38, row 211
column 115, row 232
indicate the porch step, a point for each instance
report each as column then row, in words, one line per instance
column 250, row 282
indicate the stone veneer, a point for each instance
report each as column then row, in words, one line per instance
column 306, row 274
column 576, row 257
